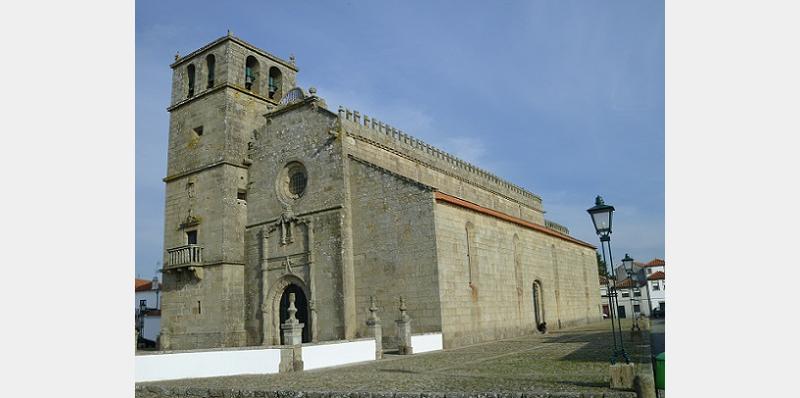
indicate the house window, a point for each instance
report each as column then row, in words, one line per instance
column 626, row 293
column 190, row 73
column 655, row 286
column 649, row 271
column 210, row 63
column 191, row 237
column 636, row 308
column 637, row 293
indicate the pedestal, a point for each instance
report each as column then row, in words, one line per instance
column 377, row 332
column 404, row 337
column 622, row 375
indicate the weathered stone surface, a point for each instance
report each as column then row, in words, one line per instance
column 622, row 375
column 367, row 219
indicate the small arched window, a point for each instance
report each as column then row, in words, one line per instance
column 190, row 73
column 274, row 83
column 251, row 74
column 210, row 63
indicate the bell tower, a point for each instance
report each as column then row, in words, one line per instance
column 220, row 93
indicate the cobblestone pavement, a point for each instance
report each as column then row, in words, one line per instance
column 565, row 361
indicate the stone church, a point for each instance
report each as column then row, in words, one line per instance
column 269, row 192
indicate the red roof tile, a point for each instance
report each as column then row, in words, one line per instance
column 656, row 275
column 656, row 262
column 143, row 285
column 627, row 283
column 503, row 216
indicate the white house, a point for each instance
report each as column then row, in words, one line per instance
column 655, row 291
column 641, row 291
column 148, row 308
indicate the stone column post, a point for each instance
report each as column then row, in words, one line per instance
column 292, row 357
column 403, row 331
column 374, row 326
column 265, row 307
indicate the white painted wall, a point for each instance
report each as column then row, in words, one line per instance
column 228, row 362
column 152, row 327
column 426, row 342
column 656, row 296
column 170, row 366
column 322, row 355
column 151, row 296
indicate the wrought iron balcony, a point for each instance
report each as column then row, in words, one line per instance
column 184, row 256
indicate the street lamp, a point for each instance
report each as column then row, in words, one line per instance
column 627, row 263
column 142, row 310
column 601, row 214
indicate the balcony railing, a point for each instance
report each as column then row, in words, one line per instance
column 184, row 256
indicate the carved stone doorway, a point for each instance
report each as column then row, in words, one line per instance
column 301, row 303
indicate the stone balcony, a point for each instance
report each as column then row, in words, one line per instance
column 187, row 257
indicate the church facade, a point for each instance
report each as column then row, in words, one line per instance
column 269, row 192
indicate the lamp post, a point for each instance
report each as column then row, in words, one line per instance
column 601, row 214
column 627, row 263
column 142, row 310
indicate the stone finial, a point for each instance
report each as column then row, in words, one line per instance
column 373, row 311
column 292, row 60
column 292, row 310
column 403, row 316
column 177, row 55
column 312, row 91
column 356, row 116
column 229, row 33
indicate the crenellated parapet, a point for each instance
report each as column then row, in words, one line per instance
column 556, row 227
column 372, row 127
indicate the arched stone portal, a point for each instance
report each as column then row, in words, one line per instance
column 301, row 303
column 279, row 304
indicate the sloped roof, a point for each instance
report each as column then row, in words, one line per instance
column 655, row 276
column 143, row 285
column 627, row 283
column 656, row 262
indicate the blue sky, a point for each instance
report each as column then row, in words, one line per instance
column 564, row 98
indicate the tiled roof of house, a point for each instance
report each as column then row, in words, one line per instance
column 143, row 285
column 627, row 283
column 656, row 262
column 656, row 276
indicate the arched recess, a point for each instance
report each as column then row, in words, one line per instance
column 251, row 69
column 277, row 300
column 517, row 264
column 538, row 303
column 275, row 83
column 472, row 260
column 210, row 66
column 190, row 85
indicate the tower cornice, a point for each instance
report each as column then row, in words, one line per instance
column 219, row 88
column 238, row 41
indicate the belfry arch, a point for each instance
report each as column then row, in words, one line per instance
column 278, row 302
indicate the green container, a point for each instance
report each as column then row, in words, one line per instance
column 660, row 371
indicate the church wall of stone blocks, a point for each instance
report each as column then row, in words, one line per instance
column 270, row 193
